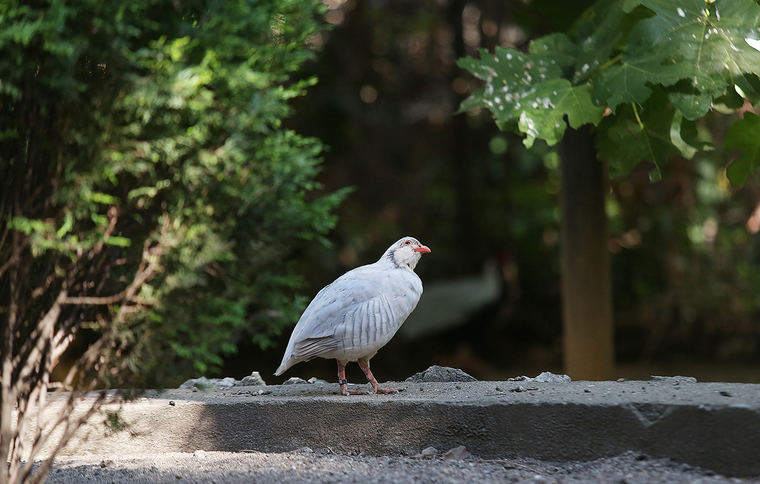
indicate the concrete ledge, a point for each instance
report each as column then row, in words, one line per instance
column 711, row 425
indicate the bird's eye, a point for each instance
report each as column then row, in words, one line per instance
column 407, row 242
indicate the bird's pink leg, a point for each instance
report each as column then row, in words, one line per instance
column 364, row 364
column 344, row 384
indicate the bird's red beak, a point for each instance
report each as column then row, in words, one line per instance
column 424, row 249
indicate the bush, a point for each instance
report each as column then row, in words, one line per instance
column 152, row 200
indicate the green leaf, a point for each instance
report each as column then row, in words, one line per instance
column 687, row 151
column 729, row 102
column 704, row 44
column 748, row 87
column 557, row 46
column 544, row 117
column 600, row 31
column 693, row 106
column 529, row 89
column 510, row 79
column 118, row 241
column 623, row 142
column 743, row 136
column 102, row 198
column 68, row 224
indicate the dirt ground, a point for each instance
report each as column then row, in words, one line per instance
column 310, row 466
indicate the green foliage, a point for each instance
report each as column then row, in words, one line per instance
column 743, row 136
column 163, row 121
column 657, row 65
column 643, row 132
column 529, row 89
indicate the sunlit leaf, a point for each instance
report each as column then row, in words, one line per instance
column 706, row 44
column 118, row 241
column 687, row 151
column 529, row 89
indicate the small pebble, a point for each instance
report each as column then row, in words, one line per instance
column 295, row 381
column 427, row 453
column 457, row 453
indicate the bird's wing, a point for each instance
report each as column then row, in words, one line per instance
column 360, row 324
column 368, row 323
column 320, row 328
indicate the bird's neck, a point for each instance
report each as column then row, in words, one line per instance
column 390, row 259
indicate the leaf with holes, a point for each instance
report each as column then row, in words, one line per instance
column 511, row 78
column 543, row 117
column 529, row 89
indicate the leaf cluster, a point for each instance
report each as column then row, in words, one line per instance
column 641, row 71
column 129, row 124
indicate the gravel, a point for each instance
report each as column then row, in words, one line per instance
column 322, row 465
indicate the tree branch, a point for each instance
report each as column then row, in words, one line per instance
column 42, row 336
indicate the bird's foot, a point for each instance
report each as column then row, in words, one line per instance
column 345, row 391
column 385, row 391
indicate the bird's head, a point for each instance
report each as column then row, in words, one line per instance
column 406, row 252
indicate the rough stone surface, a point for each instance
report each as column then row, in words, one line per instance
column 715, row 426
column 674, row 379
column 441, row 374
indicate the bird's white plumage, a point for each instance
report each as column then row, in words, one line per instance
column 359, row 312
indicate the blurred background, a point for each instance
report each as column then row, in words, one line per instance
column 684, row 250
column 260, row 155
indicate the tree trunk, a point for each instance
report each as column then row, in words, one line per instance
column 586, row 291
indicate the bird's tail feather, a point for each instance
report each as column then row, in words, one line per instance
column 287, row 362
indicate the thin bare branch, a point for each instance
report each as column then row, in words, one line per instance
column 145, row 272
column 95, row 300
column 70, row 426
column 44, row 336
column 41, row 352
column 61, row 342
column 8, row 393
column 7, row 265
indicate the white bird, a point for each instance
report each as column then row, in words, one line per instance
column 358, row 313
